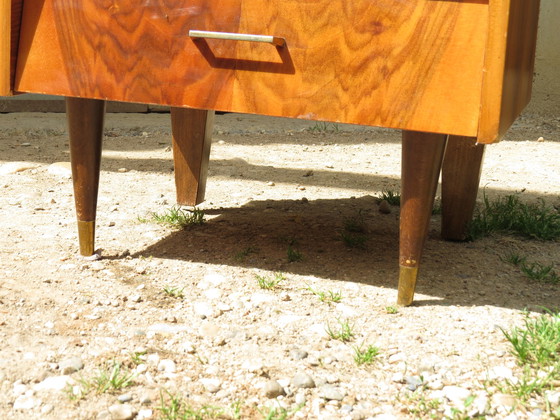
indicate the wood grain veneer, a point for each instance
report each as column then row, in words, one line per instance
column 413, row 64
column 10, row 18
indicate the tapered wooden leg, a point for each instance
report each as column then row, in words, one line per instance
column 460, row 178
column 85, row 123
column 192, row 138
column 422, row 155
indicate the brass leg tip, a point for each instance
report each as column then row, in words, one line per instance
column 407, row 284
column 86, row 235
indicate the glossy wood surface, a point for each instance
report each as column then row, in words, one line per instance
column 508, row 65
column 404, row 64
column 85, row 129
column 422, row 156
column 460, row 176
column 10, row 18
column 192, row 139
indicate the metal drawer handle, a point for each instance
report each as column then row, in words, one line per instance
column 274, row 40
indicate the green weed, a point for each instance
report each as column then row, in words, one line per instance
column 279, row 413
column 323, row 127
column 176, row 216
column 242, row 255
column 509, row 215
column 328, row 296
column 355, row 223
column 365, row 356
column 293, row 254
column 174, row 292
column 173, row 407
column 353, row 240
column 538, row 342
column 537, row 348
column 344, row 333
column 270, row 283
column 533, row 270
column 112, row 378
column 392, row 197
column 392, row 309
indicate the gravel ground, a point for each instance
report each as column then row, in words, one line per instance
column 165, row 314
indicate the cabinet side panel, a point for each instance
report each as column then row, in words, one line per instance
column 5, row 11
column 10, row 19
column 520, row 60
column 509, row 63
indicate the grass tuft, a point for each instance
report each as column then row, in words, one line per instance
column 537, row 348
column 270, row 283
column 365, row 356
column 345, row 333
column 174, row 292
column 534, row 270
column 328, row 296
column 178, row 217
column 173, row 407
column 293, row 254
column 509, row 215
column 391, row 197
column 538, row 342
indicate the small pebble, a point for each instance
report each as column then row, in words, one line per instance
column 122, row 412
column 273, row 389
column 298, row 354
column 124, row 398
column 329, row 392
column 71, row 365
column 302, row 380
column 384, row 207
column 211, row 385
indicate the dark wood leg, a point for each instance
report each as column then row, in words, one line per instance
column 85, row 123
column 422, row 155
column 460, row 178
column 192, row 138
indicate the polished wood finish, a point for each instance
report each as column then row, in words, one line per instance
column 85, row 128
column 422, row 155
column 508, row 65
column 10, row 19
column 192, row 138
column 460, row 177
column 411, row 64
column 446, row 67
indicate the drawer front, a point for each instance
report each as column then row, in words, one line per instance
column 414, row 64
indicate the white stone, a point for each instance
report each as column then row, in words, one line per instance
column 15, row 167
column 61, row 169
column 500, row 372
column 167, row 365
column 54, row 383
column 214, row 278
column 145, row 414
column 212, row 385
column 346, row 311
column 396, row 358
column 259, row 298
column 203, row 309
column 122, row 412
column 455, row 394
column 26, row 402
column 213, row 293
column 19, row 389
column 553, row 397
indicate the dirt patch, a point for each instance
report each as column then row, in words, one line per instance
column 183, row 311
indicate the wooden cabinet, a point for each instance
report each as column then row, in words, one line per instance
column 424, row 65
column 460, row 70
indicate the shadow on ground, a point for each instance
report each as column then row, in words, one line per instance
column 259, row 234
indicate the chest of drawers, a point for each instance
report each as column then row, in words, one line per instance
column 452, row 74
